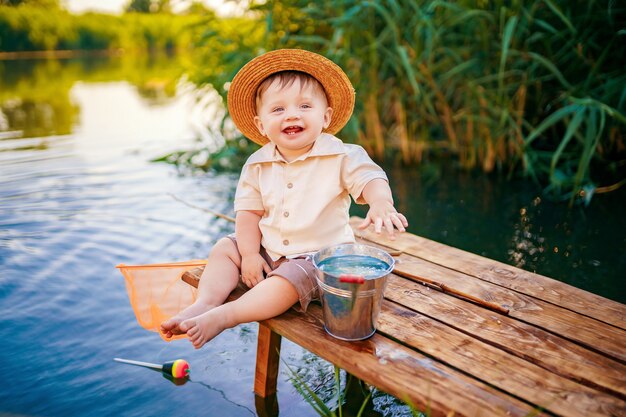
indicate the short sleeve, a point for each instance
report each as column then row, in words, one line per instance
column 358, row 169
column 248, row 195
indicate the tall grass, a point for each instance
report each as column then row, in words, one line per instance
column 345, row 395
column 536, row 87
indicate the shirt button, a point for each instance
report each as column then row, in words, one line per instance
column 289, row 185
column 286, row 214
column 285, row 242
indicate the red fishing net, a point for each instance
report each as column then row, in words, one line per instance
column 156, row 291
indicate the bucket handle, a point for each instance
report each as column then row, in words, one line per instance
column 351, row 278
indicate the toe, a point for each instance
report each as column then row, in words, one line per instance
column 198, row 343
column 167, row 325
column 185, row 325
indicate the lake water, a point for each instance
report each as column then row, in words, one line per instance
column 79, row 195
column 78, row 202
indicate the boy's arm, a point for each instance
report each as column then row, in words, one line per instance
column 248, row 237
column 247, row 231
column 382, row 213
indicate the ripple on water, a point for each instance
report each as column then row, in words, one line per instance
column 69, row 214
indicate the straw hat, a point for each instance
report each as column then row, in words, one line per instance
column 242, row 91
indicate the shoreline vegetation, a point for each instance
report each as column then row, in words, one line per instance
column 534, row 89
column 59, row 54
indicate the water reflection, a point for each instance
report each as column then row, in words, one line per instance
column 76, row 204
column 29, row 118
column 508, row 220
column 320, row 377
column 35, row 99
column 527, row 244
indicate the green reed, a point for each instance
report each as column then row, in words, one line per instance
column 535, row 87
column 341, row 394
column 347, row 395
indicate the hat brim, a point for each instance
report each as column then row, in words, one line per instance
column 242, row 91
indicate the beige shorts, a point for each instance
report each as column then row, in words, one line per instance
column 300, row 272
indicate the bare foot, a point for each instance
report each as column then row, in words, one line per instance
column 171, row 326
column 202, row 328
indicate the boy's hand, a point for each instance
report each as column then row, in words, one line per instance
column 383, row 214
column 252, row 267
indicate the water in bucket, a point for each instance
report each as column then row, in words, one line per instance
column 367, row 266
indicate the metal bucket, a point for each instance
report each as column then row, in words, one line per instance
column 351, row 308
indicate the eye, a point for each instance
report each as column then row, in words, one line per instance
column 305, row 106
column 277, row 109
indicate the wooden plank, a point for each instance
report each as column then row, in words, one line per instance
column 398, row 370
column 507, row 372
column 192, row 277
column 391, row 367
column 590, row 332
column 535, row 285
column 523, row 340
column 585, row 330
column 528, row 381
column 267, row 361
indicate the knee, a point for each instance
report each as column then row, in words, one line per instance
column 226, row 248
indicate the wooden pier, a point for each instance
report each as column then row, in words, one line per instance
column 463, row 335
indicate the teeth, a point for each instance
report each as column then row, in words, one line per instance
column 292, row 130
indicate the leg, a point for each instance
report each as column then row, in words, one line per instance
column 267, row 357
column 266, row 406
column 219, row 278
column 269, row 298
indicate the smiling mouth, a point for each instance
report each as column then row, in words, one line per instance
column 292, row 130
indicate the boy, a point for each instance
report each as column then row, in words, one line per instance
column 293, row 195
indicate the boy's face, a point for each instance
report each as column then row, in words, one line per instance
column 292, row 117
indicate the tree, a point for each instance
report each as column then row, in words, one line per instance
column 37, row 3
column 139, row 6
column 197, row 8
column 149, row 6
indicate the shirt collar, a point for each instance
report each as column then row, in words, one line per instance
column 325, row 144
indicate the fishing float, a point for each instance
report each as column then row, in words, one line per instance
column 177, row 369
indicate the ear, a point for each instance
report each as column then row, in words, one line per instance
column 259, row 125
column 328, row 116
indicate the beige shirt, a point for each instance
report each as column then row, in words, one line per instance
column 305, row 201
